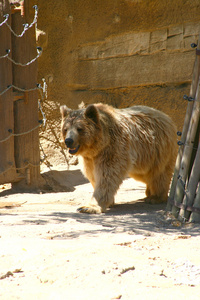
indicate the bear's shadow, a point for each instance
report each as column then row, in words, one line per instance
column 137, row 206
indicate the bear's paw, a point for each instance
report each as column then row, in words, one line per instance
column 90, row 209
column 154, row 200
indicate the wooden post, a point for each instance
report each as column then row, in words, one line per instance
column 195, row 217
column 192, row 186
column 185, row 162
column 7, row 161
column 27, row 156
column 195, row 80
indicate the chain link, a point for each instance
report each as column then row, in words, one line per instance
column 21, row 168
column 7, row 89
column 19, row 134
column 26, row 26
column 38, row 87
column 43, row 90
column 3, row 56
column 39, row 51
column 43, row 114
column 6, row 19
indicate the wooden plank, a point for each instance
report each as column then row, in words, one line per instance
column 7, row 161
column 195, row 80
column 27, row 156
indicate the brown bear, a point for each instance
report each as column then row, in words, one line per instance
column 139, row 142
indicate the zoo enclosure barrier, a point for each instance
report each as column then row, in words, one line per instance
column 184, row 196
column 19, row 124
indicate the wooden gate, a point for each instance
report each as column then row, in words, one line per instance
column 19, row 125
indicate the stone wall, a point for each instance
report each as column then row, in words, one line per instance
column 120, row 52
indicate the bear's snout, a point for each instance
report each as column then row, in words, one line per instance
column 69, row 142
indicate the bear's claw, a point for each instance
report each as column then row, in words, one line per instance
column 89, row 210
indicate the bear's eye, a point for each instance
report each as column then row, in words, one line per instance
column 79, row 129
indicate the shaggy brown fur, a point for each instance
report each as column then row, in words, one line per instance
column 139, row 142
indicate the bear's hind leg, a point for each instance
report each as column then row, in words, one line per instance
column 147, row 192
column 157, row 188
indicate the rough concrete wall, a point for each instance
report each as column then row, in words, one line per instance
column 134, row 59
column 121, row 52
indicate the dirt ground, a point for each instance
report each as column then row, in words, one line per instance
column 50, row 251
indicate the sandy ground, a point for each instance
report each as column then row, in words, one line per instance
column 49, row 251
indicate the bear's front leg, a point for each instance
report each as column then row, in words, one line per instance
column 105, row 188
column 102, row 198
column 107, row 178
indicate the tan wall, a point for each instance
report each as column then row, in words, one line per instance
column 119, row 52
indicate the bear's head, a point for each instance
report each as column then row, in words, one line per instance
column 80, row 129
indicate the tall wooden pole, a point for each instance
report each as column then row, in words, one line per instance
column 7, row 161
column 187, row 152
column 27, row 155
column 195, row 217
column 188, row 199
column 195, row 80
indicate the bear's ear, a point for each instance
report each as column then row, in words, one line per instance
column 91, row 112
column 64, row 110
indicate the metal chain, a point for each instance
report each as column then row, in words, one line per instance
column 19, row 134
column 26, row 26
column 3, row 56
column 39, row 51
column 6, row 19
column 43, row 91
column 26, row 132
column 43, row 114
column 9, row 87
column 21, row 168
column 38, row 87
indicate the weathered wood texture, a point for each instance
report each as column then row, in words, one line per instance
column 192, row 186
column 22, row 107
column 26, row 109
column 195, row 80
column 7, row 161
column 183, row 192
column 187, row 153
column 195, row 217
